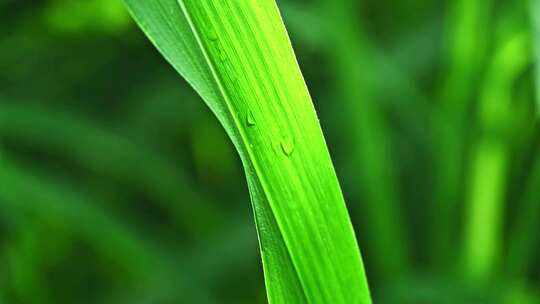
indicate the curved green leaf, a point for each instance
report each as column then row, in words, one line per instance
column 238, row 57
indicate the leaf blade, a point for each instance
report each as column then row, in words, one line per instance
column 253, row 84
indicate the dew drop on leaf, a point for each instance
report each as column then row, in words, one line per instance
column 287, row 146
column 250, row 120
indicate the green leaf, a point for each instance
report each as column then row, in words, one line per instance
column 238, row 57
column 491, row 156
column 465, row 57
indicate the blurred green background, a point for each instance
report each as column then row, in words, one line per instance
column 117, row 185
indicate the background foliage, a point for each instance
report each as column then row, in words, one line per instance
column 118, row 186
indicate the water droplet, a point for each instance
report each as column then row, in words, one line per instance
column 250, row 120
column 287, row 146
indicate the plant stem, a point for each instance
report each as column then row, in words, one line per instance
column 491, row 158
column 467, row 40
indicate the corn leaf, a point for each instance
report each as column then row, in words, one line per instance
column 238, row 57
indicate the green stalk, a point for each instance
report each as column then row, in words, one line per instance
column 352, row 59
column 483, row 228
column 491, row 159
column 238, row 57
column 467, row 40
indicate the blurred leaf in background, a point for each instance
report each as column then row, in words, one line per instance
column 86, row 16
